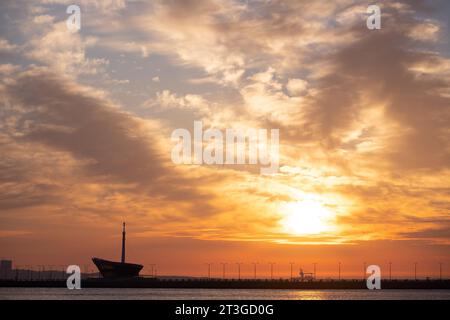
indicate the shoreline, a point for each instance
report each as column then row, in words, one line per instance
column 229, row 284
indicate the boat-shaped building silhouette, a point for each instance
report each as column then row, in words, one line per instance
column 112, row 269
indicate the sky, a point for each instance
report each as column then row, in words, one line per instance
column 363, row 115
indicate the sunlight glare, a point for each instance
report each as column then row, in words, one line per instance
column 306, row 217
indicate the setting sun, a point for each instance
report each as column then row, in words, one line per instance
column 225, row 133
column 306, row 217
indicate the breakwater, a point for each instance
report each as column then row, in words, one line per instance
column 230, row 284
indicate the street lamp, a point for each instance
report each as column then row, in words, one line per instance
column 271, row 270
column 223, row 269
column 291, row 263
column 315, row 264
column 415, row 270
column 239, row 269
column 339, row 271
column 209, row 269
column 254, row 269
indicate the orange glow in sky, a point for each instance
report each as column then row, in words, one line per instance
column 363, row 116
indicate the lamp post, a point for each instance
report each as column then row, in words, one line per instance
column 209, row 269
column 223, row 269
column 50, row 267
column 339, row 271
column 239, row 269
column 390, row 270
column 254, row 269
column 415, row 270
column 291, row 263
column 271, row 270
column 364, row 274
column 152, row 272
column 315, row 264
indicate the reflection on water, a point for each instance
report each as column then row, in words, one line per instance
column 215, row 294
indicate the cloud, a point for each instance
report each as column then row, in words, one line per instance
column 8, row 68
column 88, row 139
column 64, row 51
column 264, row 97
column 363, row 116
column 297, row 86
column 169, row 100
column 13, row 233
column 6, row 46
column 227, row 38
column 437, row 234
column 100, row 5
column 427, row 30
column 43, row 19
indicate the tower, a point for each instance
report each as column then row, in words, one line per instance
column 123, row 244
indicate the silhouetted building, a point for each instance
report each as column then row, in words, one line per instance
column 5, row 269
column 112, row 269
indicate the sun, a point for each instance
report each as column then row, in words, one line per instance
column 306, row 217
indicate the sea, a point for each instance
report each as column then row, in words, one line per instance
column 217, row 294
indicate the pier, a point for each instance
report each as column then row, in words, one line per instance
column 195, row 283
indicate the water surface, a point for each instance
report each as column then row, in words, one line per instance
column 217, row 294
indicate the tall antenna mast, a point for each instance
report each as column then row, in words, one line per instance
column 123, row 244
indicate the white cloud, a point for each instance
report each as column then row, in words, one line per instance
column 264, row 96
column 297, row 87
column 64, row 51
column 167, row 99
column 428, row 30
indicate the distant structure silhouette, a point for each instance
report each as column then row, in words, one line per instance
column 112, row 269
column 123, row 244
